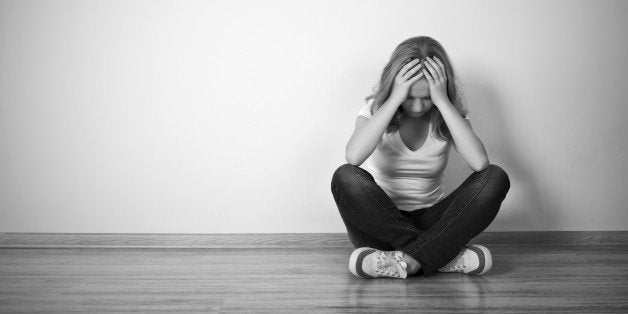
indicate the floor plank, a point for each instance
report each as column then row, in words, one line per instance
column 524, row 278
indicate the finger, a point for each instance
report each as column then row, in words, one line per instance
column 429, row 77
column 430, row 70
column 442, row 66
column 433, row 68
column 407, row 66
column 438, row 69
column 416, row 78
column 412, row 71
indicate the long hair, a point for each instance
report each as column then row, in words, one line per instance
column 418, row 47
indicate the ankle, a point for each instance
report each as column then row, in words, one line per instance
column 413, row 265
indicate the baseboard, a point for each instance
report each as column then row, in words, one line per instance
column 283, row 240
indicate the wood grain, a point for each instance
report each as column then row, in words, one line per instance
column 532, row 271
column 282, row 240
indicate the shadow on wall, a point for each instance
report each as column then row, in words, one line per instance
column 523, row 208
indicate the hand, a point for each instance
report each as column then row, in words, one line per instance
column 404, row 80
column 437, row 79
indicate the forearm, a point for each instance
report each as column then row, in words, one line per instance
column 364, row 141
column 468, row 145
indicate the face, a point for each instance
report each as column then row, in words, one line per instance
column 418, row 101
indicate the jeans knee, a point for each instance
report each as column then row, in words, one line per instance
column 499, row 178
column 341, row 175
column 347, row 175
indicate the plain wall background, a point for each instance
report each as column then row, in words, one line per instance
column 231, row 116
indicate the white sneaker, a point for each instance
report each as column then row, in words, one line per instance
column 366, row 262
column 473, row 260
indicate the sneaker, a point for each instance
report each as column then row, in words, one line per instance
column 366, row 262
column 473, row 260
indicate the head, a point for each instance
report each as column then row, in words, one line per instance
column 418, row 104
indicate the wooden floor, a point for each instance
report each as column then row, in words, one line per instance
column 583, row 272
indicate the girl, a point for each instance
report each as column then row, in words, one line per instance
column 390, row 192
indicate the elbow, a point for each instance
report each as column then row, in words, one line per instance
column 481, row 165
column 352, row 160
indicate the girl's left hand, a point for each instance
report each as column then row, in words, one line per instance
column 437, row 79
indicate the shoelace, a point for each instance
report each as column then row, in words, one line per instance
column 457, row 264
column 388, row 263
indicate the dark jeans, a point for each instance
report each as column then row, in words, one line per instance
column 433, row 236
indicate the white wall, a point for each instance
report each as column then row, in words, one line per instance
column 231, row 116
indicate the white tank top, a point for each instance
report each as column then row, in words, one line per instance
column 412, row 179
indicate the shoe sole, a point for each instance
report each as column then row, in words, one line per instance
column 486, row 260
column 355, row 261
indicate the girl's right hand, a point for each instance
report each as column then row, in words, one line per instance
column 404, row 80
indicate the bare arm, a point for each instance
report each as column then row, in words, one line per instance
column 368, row 132
column 466, row 142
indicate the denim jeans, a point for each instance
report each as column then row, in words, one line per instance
column 434, row 235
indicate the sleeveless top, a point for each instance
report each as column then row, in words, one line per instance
column 412, row 179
